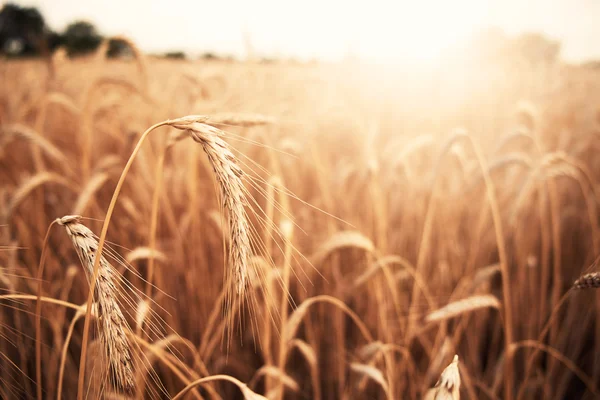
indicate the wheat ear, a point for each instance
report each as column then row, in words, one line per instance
column 448, row 386
column 113, row 326
column 229, row 178
column 587, row 281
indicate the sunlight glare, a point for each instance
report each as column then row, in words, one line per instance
column 418, row 31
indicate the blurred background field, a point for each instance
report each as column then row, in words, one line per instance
column 398, row 196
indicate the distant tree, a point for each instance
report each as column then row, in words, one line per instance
column 593, row 64
column 22, row 30
column 81, row 37
column 267, row 60
column 54, row 40
column 118, row 48
column 176, row 55
column 209, row 56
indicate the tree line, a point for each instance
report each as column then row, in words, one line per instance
column 24, row 33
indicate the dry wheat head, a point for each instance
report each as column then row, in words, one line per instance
column 113, row 325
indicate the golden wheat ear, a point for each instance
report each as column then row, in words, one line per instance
column 113, row 325
column 229, row 178
column 448, row 386
column 588, row 281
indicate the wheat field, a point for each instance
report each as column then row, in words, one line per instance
column 298, row 231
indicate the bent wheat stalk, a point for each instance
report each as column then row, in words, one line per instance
column 462, row 306
column 229, row 179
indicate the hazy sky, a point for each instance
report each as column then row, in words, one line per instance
column 329, row 28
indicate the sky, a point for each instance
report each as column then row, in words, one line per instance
column 328, row 29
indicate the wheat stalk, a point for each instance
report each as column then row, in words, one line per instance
column 113, row 326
